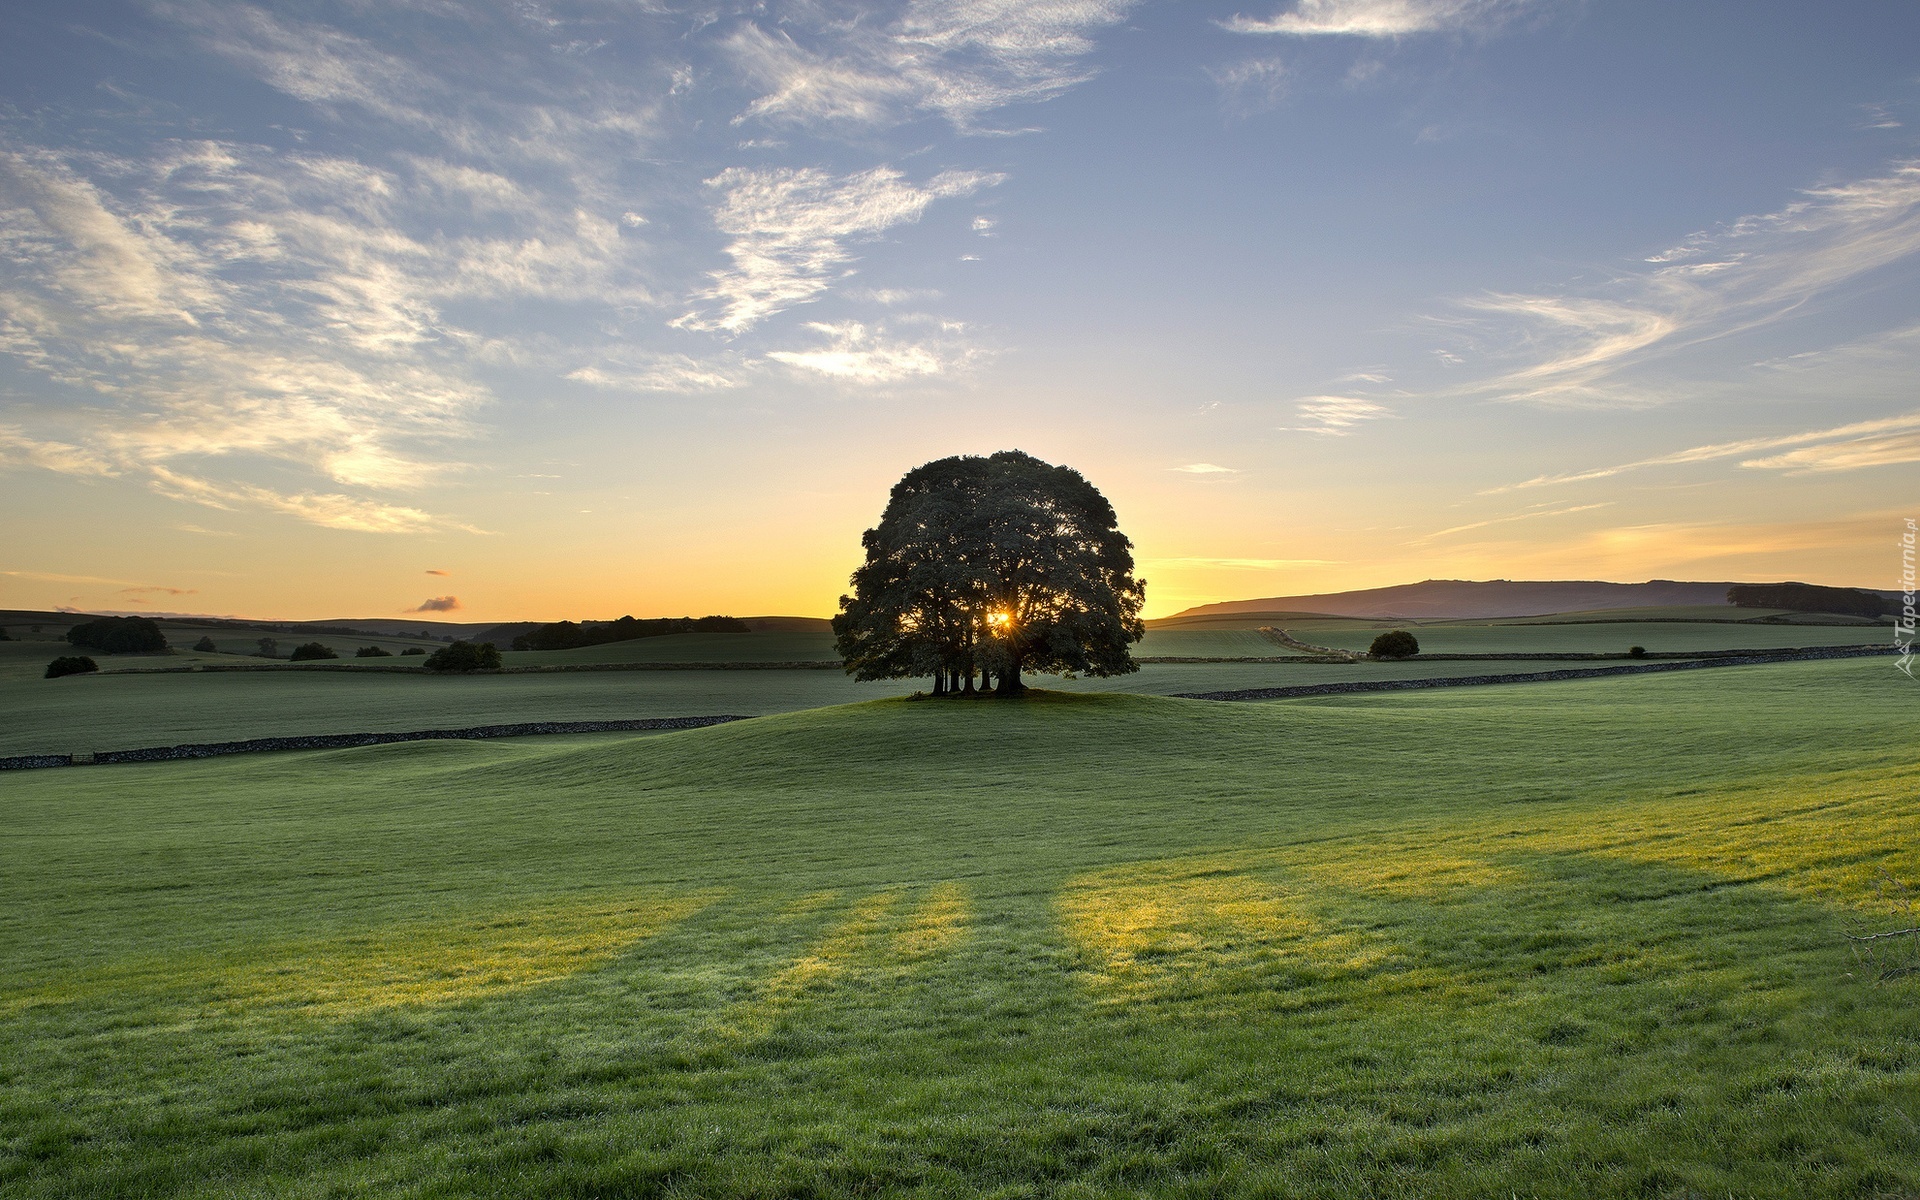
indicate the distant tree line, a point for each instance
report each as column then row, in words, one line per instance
column 1808, row 597
column 119, row 635
column 981, row 568
column 567, row 635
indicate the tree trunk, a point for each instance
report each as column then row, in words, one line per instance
column 1010, row 684
column 939, row 683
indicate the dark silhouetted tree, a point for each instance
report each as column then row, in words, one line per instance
column 988, row 567
column 205, row 646
column 464, row 656
column 74, row 665
column 372, row 652
column 1397, row 644
column 310, row 651
column 268, row 648
column 119, row 635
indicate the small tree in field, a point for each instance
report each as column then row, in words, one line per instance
column 990, row 567
column 1397, row 644
column 71, row 665
column 310, row 651
column 464, row 656
column 205, row 646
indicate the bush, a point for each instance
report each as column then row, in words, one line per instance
column 565, row 635
column 372, row 652
column 3, row 635
column 310, row 651
column 464, row 656
column 1397, row 644
column 268, row 648
column 76, row 665
column 205, row 646
column 1637, row 652
column 119, row 635
column 412, row 650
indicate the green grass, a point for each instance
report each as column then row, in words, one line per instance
column 121, row 712
column 1568, row 939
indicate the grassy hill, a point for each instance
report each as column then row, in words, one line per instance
column 1568, row 939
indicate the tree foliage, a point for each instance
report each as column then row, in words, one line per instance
column 310, row 651
column 1808, row 597
column 990, row 567
column 71, row 665
column 372, row 652
column 464, row 656
column 205, row 645
column 1395, row 644
column 119, row 635
column 566, row 635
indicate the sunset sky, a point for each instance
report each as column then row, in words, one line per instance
column 546, row 310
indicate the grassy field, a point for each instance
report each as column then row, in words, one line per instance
column 1566, row 939
column 121, row 712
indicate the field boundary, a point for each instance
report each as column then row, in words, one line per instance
column 1402, row 685
column 1342, row 657
column 342, row 741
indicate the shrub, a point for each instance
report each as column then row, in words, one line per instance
column 412, row 650
column 205, row 646
column 268, row 648
column 3, row 636
column 1637, row 652
column 1397, row 644
column 75, row 665
column 372, row 652
column 119, row 635
column 310, row 651
column 464, row 656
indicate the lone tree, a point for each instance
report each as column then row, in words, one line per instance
column 985, row 567
column 1396, row 644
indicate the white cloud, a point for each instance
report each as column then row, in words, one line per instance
column 1749, row 274
column 953, row 59
column 1876, row 442
column 1376, row 18
column 862, row 355
column 1205, row 469
column 665, row 373
column 792, row 231
column 1251, row 86
column 1337, row 415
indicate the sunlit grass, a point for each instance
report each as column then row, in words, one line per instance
column 1571, row 940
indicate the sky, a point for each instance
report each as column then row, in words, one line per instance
column 529, row 311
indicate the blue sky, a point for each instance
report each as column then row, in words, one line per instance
column 595, row 308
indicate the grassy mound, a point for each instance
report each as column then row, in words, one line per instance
column 1568, row 939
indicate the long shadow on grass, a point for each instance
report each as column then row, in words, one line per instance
column 1227, row 1024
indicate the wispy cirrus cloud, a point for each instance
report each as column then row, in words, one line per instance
column 1879, row 442
column 1201, row 468
column 956, row 60
column 1337, row 415
column 864, row 354
column 1578, row 348
column 1376, row 18
column 794, row 229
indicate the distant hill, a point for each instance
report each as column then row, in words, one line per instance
column 1465, row 598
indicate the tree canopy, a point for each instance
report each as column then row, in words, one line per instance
column 119, row 635
column 989, row 567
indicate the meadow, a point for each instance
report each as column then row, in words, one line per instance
column 1557, row 939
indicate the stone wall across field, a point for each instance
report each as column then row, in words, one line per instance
column 1402, row 685
column 341, row 741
